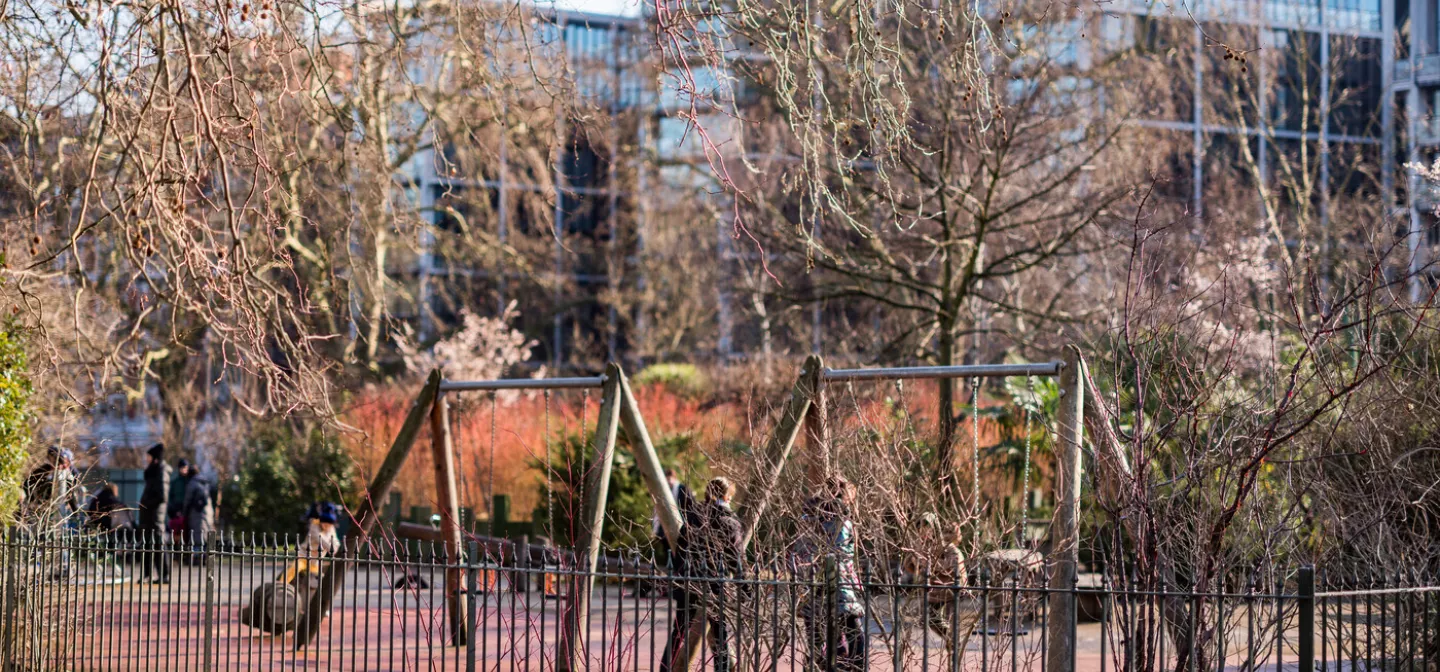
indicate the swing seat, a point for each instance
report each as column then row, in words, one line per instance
column 274, row 608
column 277, row 606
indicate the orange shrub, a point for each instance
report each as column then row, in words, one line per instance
column 511, row 434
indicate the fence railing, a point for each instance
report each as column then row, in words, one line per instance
column 237, row 601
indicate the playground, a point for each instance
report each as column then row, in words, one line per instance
column 407, row 596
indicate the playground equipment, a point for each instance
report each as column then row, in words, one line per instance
column 278, row 606
column 803, row 411
column 617, row 409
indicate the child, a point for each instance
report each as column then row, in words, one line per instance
column 320, row 540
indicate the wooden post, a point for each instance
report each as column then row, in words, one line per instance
column 571, row 655
column 369, row 516
column 648, row 460
column 1065, row 526
column 756, row 495
column 817, row 431
column 447, row 502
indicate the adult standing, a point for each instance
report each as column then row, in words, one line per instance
column 39, row 488
column 199, row 507
column 836, row 616
column 49, row 489
column 154, row 510
column 684, row 500
column 709, row 549
column 180, row 479
column 51, row 501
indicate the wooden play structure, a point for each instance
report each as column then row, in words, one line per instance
column 803, row 411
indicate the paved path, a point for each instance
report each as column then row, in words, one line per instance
column 117, row 625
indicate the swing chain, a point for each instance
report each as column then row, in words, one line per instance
column 549, row 472
column 1025, row 478
column 975, row 437
column 579, row 483
column 490, row 489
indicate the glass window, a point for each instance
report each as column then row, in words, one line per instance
column 711, row 85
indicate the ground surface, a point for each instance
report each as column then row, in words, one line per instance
column 374, row 626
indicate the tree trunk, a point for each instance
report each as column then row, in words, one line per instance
column 945, row 411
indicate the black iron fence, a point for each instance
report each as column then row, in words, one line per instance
column 244, row 602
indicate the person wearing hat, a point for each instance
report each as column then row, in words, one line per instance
column 321, row 539
column 50, row 500
column 154, row 500
column 199, row 510
column 38, row 482
column 49, row 489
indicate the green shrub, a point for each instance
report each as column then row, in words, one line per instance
column 685, row 380
column 15, row 415
column 284, row 470
column 628, row 509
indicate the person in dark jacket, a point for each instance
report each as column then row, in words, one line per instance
column 684, row 500
column 709, row 549
column 154, row 509
column 102, row 515
column 665, row 554
column 199, row 508
column 49, row 490
column 176, row 500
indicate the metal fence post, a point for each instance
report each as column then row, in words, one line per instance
column 209, row 662
column 11, row 554
column 1305, row 648
column 832, row 608
column 472, row 586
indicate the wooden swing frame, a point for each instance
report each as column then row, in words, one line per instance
column 617, row 409
column 804, row 410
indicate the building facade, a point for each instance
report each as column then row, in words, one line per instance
column 1352, row 83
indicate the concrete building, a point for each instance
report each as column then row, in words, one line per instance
column 1352, row 82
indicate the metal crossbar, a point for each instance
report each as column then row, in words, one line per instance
column 523, row 384
column 881, row 373
column 965, row 371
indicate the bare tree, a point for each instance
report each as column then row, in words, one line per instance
column 223, row 192
column 977, row 231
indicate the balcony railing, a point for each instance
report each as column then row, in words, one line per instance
column 1426, row 70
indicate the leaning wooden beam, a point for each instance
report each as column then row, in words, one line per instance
column 651, row 471
column 369, row 517
column 1114, row 483
column 817, row 438
column 442, row 453
column 572, row 651
column 1065, row 526
column 756, row 496
column 1112, row 469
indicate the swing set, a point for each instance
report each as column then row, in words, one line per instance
column 803, row 411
